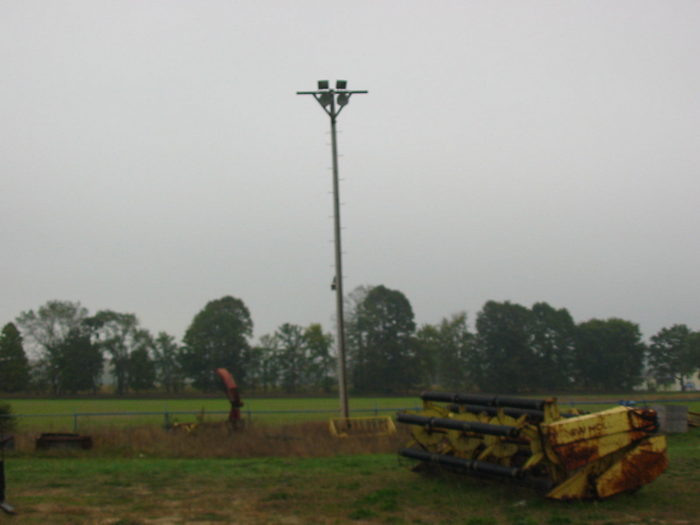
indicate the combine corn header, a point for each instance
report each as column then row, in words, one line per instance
column 568, row 456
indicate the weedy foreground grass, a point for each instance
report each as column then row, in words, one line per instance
column 307, row 477
column 217, row 440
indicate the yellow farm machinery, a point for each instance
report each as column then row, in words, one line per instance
column 362, row 426
column 568, row 456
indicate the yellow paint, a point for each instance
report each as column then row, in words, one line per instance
column 573, row 488
column 362, row 426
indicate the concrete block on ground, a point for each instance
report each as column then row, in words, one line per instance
column 673, row 419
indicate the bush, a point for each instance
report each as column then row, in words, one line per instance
column 7, row 420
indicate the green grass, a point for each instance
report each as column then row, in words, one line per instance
column 265, row 410
column 150, row 481
column 43, row 406
column 377, row 488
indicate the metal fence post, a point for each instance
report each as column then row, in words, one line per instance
column 4, row 505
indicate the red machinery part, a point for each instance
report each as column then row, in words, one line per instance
column 234, row 398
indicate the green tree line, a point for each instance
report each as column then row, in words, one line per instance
column 512, row 349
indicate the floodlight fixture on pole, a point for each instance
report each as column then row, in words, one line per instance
column 332, row 101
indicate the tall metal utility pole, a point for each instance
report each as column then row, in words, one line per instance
column 333, row 101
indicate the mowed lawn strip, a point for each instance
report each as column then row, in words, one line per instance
column 69, row 406
column 267, row 410
column 377, row 488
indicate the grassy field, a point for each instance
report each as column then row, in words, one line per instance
column 285, row 468
column 88, row 488
column 275, row 410
column 279, row 410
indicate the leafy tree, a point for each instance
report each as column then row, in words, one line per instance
column 320, row 367
column 119, row 335
column 381, row 343
column 79, row 362
column 8, row 422
column 290, row 354
column 296, row 358
column 218, row 337
column 167, row 358
column 447, row 352
column 14, row 365
column 609, row 355
column 38, row 377
column 262, row 366
column 429, row 352
column 46, row 330
column 141, row 370
column 674, row 354
column 553, row 341
column 256, row 377
column 694, row 342
column 520, row 349
column 504, row 360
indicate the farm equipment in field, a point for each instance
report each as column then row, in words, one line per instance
column 569, row 456
column 234, row 421
column 4, row 443
column 56, row 440
column 4, row 505
column 362, row 426
column 231, row 388
column 7, row 441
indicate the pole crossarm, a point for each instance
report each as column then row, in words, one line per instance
column 334, row 91
column 330, row 99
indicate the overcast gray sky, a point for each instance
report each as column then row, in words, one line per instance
column 154, row 156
